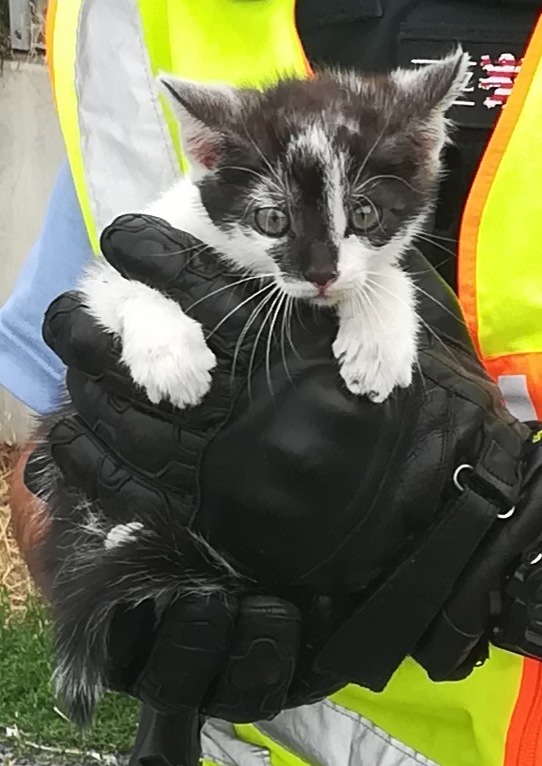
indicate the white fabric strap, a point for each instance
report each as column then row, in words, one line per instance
column 323, row 734
column 516, row 396
column 127, row 149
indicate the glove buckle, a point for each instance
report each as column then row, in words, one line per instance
column 468, row 467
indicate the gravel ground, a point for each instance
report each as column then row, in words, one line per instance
column 15, row 750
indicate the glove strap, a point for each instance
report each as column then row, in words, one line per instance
column 370, row 646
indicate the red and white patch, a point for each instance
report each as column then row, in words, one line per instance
column 500, row 75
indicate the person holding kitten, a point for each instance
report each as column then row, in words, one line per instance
column 385, row 719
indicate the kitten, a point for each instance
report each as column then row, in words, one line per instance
column 320, row 185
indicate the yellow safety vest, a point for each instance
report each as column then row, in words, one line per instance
column 124, row 150
column 104, row 55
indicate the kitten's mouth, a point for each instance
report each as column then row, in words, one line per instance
column 318, row 295
column 325, row 299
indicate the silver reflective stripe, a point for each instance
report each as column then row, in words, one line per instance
column 220, row 745
column 327, row 734
column 516, row 395
column 324, row 734
column 127, row 149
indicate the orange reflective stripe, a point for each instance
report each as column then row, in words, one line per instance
column 308, row 68
column 524, row 744
column 50, row 38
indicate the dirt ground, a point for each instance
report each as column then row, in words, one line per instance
column 14, row 579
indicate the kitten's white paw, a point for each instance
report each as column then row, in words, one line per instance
column 168, row 358
column 368, row 368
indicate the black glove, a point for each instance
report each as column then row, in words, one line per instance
column 316, row 495
column 214, row 656
column 250, row 648
column 227, row 656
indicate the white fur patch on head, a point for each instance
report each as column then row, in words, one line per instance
column 335, row 185
column 122, row 534
column 312, row 141
column 181, row 206
column 315, row 144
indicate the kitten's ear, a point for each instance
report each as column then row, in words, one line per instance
column 428, row 92
column 204, row 112
column 434, row 87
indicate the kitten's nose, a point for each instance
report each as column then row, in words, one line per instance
column 321, row 277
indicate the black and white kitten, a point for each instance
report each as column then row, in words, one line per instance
column 319, row 185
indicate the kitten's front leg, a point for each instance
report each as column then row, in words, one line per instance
column 376, row 345
column 164, row 349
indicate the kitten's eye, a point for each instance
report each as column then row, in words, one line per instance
column 365, row 217
column 271, row 221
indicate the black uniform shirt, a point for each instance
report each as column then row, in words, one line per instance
column 378, row 35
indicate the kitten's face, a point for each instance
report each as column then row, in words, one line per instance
column 318, row 182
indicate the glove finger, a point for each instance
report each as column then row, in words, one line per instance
column 72, row 333
column 146, row 440
column 321, row 616
column 254, row 686
column 89, row 467
column 130, row 643
column 191, row 649
column 439, row 305
column 148, row 249
column 74, row 336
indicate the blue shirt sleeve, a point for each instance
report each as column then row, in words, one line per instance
column 28, row 368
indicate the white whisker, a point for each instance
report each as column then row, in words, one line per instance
column 432, row 332
column 250, row 321
column 279, row 304
column 370, row 152
column 375, row 293
column 289, row 327
column 236, row 309
column 426, row 238
column 282, row 336
column 228, row 287
column 459, row 318
column 279, row 182
column 391, row 178
column 255, row 347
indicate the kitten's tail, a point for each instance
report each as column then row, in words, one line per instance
column 119, row 571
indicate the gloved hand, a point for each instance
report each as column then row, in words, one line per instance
column 249, row 664
column 318, row 496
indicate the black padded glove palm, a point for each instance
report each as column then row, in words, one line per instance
column 345, row 508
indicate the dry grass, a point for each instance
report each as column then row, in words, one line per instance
column 14, row 577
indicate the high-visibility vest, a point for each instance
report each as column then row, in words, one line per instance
column 500, row 259
column 124, row 150
column 500, row 289
column 121, row 137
